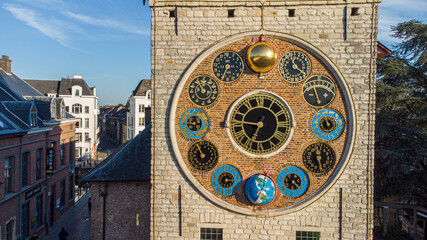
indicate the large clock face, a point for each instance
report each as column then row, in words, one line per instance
column 287, row 118
column 260, row 123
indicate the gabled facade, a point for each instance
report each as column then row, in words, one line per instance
column 36, row 158
column 139, row 102
column 81, row 101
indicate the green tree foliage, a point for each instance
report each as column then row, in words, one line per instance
column 401, row 117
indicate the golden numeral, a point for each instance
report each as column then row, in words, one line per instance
column 240, row 135
column 283, row 124
column 280, row 112
column 260, row 101
column 280, row 135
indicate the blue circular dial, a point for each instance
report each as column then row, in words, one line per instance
column 226, row 180
column 292, row 181
column 327, row 124
column 194, row 123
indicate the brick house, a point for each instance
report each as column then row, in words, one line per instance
column 121, row 191
column 36, row 158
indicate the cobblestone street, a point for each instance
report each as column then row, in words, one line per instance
column 76, row 222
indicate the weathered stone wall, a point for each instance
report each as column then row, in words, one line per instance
column 198, row 25
column 127, row 210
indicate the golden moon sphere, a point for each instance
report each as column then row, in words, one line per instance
column 261, row 57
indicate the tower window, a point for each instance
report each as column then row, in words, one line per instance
column 301, row 235
column 291, row 13
column 354, row 11
column 230, row 13
column 211, row 234
column 172, row 13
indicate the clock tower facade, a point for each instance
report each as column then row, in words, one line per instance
column 263, row 119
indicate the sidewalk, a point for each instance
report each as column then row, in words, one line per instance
column 76, row 222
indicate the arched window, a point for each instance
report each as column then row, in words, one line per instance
column 77, row 108
column 77, row 92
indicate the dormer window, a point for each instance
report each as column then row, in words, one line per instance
column 148, row 94
column 53, row 109
column 76, row 90
column 33, row 117
column 63, row 110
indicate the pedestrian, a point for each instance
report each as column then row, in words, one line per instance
column 63, row 234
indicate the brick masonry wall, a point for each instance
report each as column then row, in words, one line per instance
column 178, row 41
column 127, row 210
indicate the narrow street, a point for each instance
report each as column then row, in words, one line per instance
column 76, row 222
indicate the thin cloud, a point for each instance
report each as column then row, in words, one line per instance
column 108, row 23
column 51, row 28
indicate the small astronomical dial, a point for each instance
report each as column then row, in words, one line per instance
column 319, row 158
column 292, row 181
column 260, row 123
column 194, row 123
column 227, row 66
column 203, row 156
column 226, row 180
column 327, row 124
column 203, row 91
column 319, row 91
column 294, row 66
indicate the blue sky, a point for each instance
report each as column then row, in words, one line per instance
column 108, row 41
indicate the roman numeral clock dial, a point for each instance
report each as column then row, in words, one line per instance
column 260, row 125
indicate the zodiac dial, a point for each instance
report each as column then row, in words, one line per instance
column 294, row 66
column 319, row 91
column 194, row 123
column 226, row 180
column 319, row 158
column 327, row 124
column 260, row 123
column 203, row 91
column 203, row 156
column 227, row 66
column 292, row 181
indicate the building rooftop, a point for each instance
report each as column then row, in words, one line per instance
column 131, row 162
column 142, row 88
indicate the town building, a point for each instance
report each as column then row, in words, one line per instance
column 113, row 123
column 120, row 188
column 80, row 101
column 37, row 141
column 139, row 115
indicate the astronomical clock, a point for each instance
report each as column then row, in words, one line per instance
column 262, row 125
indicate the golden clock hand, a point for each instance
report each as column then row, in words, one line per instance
column 259, row 125
column 226, row 69
column 318, row 158
column 202, row 155
column 202, row 90
column 317, row 97
column 295, row 66
column 327, row 122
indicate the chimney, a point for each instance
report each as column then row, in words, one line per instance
column 5, row 64
column 77, row 76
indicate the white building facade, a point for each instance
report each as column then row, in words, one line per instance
column 138, row 116
column 80, row 101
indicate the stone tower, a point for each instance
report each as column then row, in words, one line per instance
column 262, row 119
